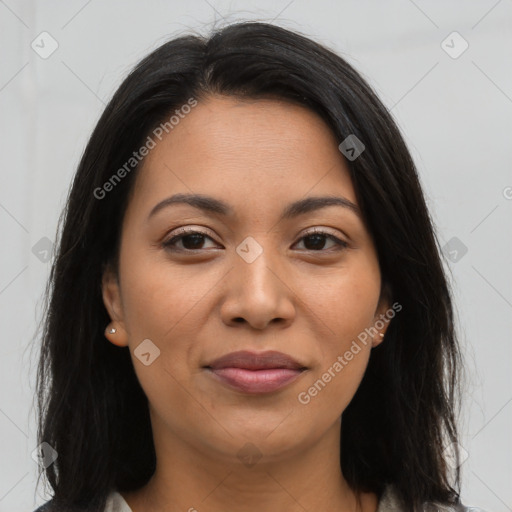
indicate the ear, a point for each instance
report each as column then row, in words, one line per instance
column 111, row 292
column 381, row 319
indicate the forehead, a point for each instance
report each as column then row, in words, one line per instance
column 261, row 151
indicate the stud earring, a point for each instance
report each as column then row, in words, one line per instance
column 381, row 334
column 112, row 330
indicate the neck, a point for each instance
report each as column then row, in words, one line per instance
column 187, row 479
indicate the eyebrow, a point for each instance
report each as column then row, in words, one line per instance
column 212, row 205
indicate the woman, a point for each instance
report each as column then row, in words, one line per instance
column 248, row 310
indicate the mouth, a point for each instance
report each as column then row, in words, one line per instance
column 255, row 373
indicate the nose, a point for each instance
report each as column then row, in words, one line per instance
column 258, row 293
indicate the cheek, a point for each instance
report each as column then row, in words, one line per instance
column 161, row 303
column 343, row 306
column 162, row 300
column 343, row 356
column 167, row 305
column 342, row 303
column 328, row 391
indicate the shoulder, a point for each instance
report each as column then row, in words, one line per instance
column 115, row 503
column 47, row 507
column 390, row 502
column 50, row 506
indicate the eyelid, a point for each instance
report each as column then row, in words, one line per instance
column 184, row 230
column 193, row 230
column 179, row 233
column 319, row 230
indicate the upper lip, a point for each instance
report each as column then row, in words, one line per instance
column 256, row 361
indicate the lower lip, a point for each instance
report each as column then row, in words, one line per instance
column 256, row 381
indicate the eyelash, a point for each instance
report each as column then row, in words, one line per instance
column 184, row 232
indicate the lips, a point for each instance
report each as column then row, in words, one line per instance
column 256, row 361
column 252, row 372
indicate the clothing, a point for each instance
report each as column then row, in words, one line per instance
column 116, row 503
column 388, row 503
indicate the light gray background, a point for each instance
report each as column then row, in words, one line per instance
column 454, row 112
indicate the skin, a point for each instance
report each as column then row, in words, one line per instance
column 304, row 299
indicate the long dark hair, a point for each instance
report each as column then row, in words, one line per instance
column 93, row 411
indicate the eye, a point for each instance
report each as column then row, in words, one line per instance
column 316, row 241
column 189, row 238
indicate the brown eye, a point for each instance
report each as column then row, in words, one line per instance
column 316, row 241
column 190, row 240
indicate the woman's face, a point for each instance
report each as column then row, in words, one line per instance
column 254, row 280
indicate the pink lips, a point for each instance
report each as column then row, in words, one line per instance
column 256, row 372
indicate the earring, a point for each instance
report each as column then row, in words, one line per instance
column 381, row 334
column 112, row 330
